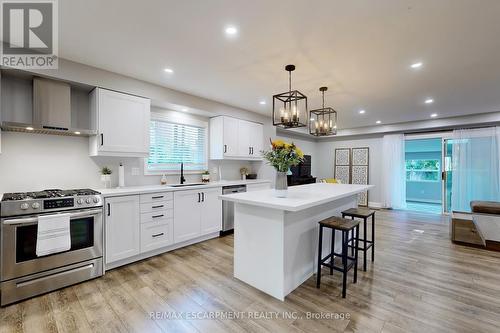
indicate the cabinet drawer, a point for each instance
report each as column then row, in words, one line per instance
column 157, row 217
column 155, row 197
column 156, row 206
column 155, row 236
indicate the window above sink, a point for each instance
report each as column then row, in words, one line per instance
column 174, row 141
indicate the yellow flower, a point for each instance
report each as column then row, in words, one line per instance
column 299, row 152
column 278, row 143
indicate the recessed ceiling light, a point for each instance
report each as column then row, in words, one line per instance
column 77, row 133
column 184, row 109
column 429, row 101
column 29, row 128
column 362, row 111
column 231, row 31
column 378, row 122
column 312, row 119
column 434, row 115
column 416, row 65
column 169, row 70
column 262, row 102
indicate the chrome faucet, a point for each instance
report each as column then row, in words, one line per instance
column 182, row 174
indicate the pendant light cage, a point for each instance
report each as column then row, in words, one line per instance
column 323, row 122
column 290, row 108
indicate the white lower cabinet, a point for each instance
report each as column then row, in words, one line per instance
column 138, row 224
column 211, row 211
column 187, row 210
column 122, row 228
column 156, row 234
column 196, row 213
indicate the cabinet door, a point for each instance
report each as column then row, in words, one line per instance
column 256, row 139
column 244, row 138
column 230, row 136
column 187, row 213
column 122, row 227
column 211, row 212
column 123, row 123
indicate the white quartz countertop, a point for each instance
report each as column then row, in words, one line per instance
column 131, row 190
column 299, row 197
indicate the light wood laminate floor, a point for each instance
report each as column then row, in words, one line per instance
column 420, row 282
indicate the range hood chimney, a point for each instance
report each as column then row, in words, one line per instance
column 51, row 111
column 51, row 104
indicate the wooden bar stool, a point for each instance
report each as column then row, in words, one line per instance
column 348, row 262
column 363, row 213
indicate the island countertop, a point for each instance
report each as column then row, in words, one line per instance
column 299, row 197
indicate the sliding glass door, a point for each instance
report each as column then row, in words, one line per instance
column 447, row 174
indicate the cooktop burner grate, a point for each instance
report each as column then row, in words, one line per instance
column 51, row 193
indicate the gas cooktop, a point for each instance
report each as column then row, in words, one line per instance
column 52, row 200
column 52, row 193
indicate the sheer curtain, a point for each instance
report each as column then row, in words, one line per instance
column 475, row 167
column 393, row 172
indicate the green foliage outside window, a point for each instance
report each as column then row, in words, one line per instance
column 422, row 170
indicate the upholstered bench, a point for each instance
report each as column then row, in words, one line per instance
column 486, row 217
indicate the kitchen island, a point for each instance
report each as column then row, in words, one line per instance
column 275, row 239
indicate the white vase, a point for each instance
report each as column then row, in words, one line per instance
column 281, row 185
column 106, row 179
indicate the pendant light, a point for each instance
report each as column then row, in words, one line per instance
column 323, row 121
column 290, row 108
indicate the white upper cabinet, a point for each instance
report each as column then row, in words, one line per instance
column 256, row 140
column 232, row 138
column 230, row 130
column 122, row 124
column 244, row 135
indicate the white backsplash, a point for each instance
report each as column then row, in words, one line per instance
column 31, row 162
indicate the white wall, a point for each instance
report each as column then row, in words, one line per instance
column 325, row 150
column 30, row 162
column 34, row 161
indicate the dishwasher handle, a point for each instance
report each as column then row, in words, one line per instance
column 234, row 189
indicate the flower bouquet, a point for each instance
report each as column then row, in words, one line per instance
column 282, row 156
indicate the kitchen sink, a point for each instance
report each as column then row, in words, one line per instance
column 184, row 185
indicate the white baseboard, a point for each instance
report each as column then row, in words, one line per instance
column 374, row 204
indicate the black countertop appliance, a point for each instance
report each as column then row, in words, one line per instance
column 301, row 174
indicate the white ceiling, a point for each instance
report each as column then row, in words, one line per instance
column 360, row 49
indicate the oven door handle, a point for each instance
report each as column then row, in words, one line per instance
column 35, row 219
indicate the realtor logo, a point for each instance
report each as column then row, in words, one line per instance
column 29, row 34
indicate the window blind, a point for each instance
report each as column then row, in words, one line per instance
column 171, row 144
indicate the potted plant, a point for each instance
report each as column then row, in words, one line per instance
column 106, row 176
column 282, row 156
column 205, row 176
column 244, row 173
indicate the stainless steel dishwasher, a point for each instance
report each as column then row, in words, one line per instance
column 228, row 207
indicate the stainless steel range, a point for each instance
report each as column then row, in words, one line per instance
column 24, row 274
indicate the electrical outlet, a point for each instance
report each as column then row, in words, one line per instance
column 136, row 171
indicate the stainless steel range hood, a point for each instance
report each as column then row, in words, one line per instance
column 51, row 111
